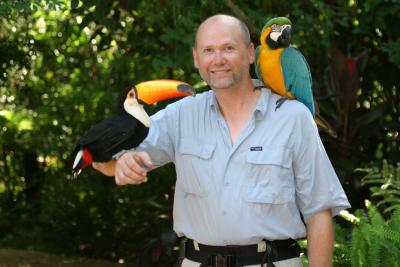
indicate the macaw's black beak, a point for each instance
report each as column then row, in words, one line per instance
column 286, row 37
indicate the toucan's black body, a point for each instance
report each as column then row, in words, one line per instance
column 114, row 134
column 127, row 129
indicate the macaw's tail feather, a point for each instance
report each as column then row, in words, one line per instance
column 323, row 125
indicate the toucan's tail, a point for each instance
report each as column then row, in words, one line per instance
column 82, row 159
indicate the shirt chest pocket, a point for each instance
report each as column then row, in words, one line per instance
column 270, row 176
column 195, row 166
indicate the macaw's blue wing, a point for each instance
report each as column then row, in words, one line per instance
column 257, row 67
column 297, row 76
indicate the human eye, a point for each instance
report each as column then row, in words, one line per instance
column 207, row 50
column 229, row 48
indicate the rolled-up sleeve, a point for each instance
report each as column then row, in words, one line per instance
column 317, row 185
column 158, row 143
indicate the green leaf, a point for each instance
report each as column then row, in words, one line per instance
column 74, row 4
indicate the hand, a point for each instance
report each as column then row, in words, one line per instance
column 130, row 168
column 106, row 168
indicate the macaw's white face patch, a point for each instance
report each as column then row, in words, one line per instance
column 276, row 31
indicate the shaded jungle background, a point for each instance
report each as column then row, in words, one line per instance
column 64, row 63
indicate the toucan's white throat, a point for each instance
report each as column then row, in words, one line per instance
column 132, row 106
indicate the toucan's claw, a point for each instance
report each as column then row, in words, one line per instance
column 76, row 173
column 280, row 101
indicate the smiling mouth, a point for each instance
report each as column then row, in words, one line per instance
column 219, row 71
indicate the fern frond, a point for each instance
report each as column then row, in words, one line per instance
column 386, row 234
column 357, row 253
column 388, row 200
column 376, row 239
column 375, row 217
column 391, row 249
column 366, row 170
column 345, row 214
column 387, row 192
column 374, row 258
column 391, row 208
column 394, row 223
column 377, row 179
column 396, row 185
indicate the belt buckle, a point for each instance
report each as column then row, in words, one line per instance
column 220, row 260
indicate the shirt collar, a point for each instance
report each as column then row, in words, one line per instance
column 262, row 104
column 212, row 100
column 261, row 107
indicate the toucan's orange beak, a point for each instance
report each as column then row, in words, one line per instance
column 157, row 90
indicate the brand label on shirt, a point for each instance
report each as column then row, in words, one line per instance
column 256, row 148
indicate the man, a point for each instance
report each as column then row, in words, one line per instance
column 250, row 179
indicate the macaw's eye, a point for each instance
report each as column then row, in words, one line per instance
column 276, row 28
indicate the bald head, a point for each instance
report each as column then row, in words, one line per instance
column 227, row 20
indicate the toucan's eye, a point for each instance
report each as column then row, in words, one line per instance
column 132, row 94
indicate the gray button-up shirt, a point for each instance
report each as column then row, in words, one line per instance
column 239, row 193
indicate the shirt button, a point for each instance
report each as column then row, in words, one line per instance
column 223, row 213
column 226, row 183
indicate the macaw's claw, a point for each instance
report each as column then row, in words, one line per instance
column 280, row 101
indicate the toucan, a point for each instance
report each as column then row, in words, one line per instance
column 127, row 129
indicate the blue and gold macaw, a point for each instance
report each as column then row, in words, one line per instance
column 282, row 67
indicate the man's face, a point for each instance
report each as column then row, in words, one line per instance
column 221, row 54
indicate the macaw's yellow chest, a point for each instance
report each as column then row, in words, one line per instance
column 271, row 69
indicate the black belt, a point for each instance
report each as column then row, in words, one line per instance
column 238, row 256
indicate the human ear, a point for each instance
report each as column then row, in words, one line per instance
column 195, row 57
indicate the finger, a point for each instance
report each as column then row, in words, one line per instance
column 122, row 179
column 143, row 159
column 132, row 167
column 128, row 171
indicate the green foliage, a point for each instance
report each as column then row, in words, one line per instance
column 373, row 241
column 63, row 65
column 342, row 247
column 384, row 184
column 15, row 8
column 376, row 242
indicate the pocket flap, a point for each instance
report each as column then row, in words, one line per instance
column 197, row 148
column 265, row 194
column 271, row 156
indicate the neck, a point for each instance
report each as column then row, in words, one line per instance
column 238, row 100
column 237, row 107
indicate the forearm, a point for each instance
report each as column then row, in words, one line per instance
column 320, row 239
column 107, row 168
